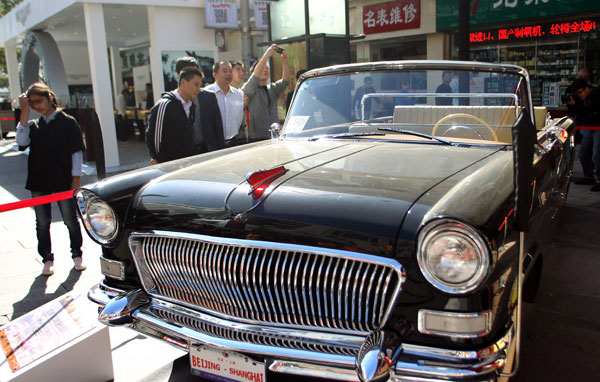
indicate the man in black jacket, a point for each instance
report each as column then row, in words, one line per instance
column 170, row 131
column 588, row 114
column 208, row 124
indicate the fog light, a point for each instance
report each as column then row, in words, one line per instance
column 464, row 325
column 112, row 268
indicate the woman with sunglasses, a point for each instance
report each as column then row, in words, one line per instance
column 54, row 165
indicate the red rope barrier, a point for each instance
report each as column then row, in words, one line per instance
column 37, row 201
column 587, row 128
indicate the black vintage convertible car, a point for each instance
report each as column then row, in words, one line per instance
column 374, row 237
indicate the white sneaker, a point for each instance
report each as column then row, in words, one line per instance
column 79, row 264
column 48, row 268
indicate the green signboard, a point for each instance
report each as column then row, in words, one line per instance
column 501, row 11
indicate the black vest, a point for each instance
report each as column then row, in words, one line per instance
column 52, row 145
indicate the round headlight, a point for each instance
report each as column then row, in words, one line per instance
column 98, row 217
column 453, row 256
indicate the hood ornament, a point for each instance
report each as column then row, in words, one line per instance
column 261, row 179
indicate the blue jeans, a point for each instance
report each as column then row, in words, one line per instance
column 43, row 216
column 589, row 152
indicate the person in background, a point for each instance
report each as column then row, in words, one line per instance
column 122, row 122
column 569, row 98
column 208, row 124
column 170, row 130
column 290, row 95
column 238, row 72
column 237, row 81
column 367, row 88
column 129, row 96
column 54, row 165
column 444, row 87
column 231, row 102
column 149, row 96
column 262, row 95
column 404, row 100
column 588, row 114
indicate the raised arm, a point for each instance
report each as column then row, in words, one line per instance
column 258, row 69
column 285, row 73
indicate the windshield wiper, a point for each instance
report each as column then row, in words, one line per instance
column 344, row 135
column 415, row 133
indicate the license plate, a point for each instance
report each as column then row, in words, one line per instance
column 225, row 366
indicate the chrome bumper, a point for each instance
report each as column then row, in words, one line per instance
column 415, row 364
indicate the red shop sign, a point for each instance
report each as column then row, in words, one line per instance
column 391, row 16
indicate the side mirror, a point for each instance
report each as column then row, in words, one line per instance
column 275, row 130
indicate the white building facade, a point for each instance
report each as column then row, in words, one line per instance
column 77, row 45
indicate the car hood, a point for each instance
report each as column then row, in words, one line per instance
column 336, row 194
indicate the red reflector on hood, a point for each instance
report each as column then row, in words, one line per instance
column 260, row 180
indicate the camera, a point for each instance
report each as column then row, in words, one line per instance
column 567, row 97
column 279, row 49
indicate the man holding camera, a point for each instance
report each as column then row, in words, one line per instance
column 262, row 95
column 569, row 98
column 588, row 114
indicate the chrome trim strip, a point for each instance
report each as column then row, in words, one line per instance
column 311, row 370
column 360, row 298
column 367, row 302
column 266, row 315
column 354, row 306
column 101, row 294
column 212, row 288
column 347, row 297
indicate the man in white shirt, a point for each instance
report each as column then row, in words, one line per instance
column 231, row 102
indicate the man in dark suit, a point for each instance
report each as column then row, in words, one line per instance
column 208, row 125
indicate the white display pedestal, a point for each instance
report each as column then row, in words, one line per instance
column 57, row 349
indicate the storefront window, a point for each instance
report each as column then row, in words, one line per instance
column 552, row 53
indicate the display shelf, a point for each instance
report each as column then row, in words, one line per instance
column 549, row 66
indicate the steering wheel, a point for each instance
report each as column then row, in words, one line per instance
column 464, row 115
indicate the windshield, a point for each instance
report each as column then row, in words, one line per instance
column 455, row 106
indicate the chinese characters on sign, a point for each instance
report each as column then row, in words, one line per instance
column 221, row 14
column 391, row 16
column 530, row 31
column 513, row 3
column 261, row 17
column 575, row 27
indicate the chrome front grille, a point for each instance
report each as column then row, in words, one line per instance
column 269, row 283
column 271, row 339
